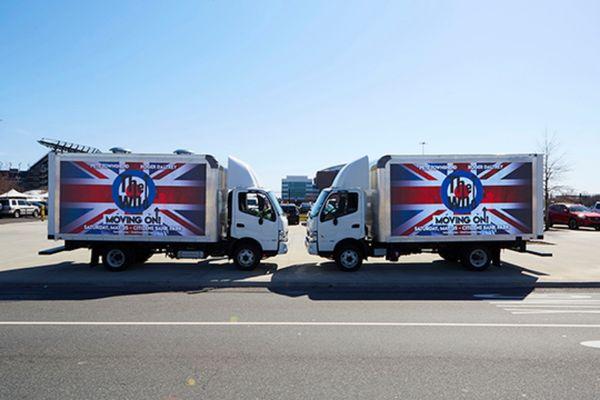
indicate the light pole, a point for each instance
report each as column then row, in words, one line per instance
column 423, row 147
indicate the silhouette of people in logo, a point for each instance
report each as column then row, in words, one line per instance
column 462, row 193
column 133, row 192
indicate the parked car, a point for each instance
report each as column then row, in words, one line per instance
column 305, row 207
column 292, row 213
column 18, row 208
column 596, row 207
column 572, row 215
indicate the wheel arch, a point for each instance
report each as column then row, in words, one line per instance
column 235, row 243
column 360, row 244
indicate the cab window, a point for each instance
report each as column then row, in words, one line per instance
column 339, row 204
column 256, row 204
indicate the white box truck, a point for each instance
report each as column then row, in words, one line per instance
column 126, row 207
column 464, row 207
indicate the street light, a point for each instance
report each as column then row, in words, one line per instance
column 423, row 147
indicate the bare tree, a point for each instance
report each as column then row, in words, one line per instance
column 5, row 183
column 555, row 167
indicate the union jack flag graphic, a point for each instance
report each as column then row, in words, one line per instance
column 132, row 198
column 448, row 199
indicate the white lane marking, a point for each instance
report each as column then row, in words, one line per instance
column 551, row 303
column 291, row 323
column 496, row 296
column 562, row 294
column 538, row 311
column 527, row 305
column 591, row 343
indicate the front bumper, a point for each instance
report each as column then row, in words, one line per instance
column 283, row 248
column 311, row 247
column 589, row 223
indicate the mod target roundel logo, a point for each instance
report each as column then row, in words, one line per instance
column 462, row 192
column 133, row 191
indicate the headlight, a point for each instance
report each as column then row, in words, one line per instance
column 283, row 236
column 582, row 216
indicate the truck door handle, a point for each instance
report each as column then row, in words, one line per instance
column 356, row 226
column 240, row 225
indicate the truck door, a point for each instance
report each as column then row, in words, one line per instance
column 255, row 217
column 341, row 217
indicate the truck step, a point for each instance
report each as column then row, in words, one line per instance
column 53, row 250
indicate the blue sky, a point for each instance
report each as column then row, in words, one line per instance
column 294, row 86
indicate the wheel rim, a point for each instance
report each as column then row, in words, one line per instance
column 115, row 258
column 349, row 258
column 246, row 257
column 478, row 258
column 17, row 214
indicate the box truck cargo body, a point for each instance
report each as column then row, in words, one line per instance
column 464, row 207
column 125, row 207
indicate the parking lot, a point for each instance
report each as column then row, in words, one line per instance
column 574, row 263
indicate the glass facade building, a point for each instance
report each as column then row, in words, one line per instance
column 298, row 189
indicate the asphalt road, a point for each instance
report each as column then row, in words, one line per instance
column 257, row 344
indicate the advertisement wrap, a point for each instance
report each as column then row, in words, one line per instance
column 454, row 199
column 132, row 198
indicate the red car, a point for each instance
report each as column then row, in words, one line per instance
column 573, row 215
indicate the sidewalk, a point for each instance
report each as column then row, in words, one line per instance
column 575, row 264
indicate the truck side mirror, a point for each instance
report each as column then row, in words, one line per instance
column 335, row 221
column 261, row 220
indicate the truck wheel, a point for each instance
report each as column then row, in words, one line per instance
column 449, row 255
column 116, row 259
column 36, row 214
column 477, row 258
column 573, row 224
column 17, row 214
column 246, row 256
column 348, row 258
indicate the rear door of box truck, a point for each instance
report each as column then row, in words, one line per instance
column 459, row 198
column 132, row 197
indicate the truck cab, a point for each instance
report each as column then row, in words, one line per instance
column 336, row 226
column 257, row 217
column 257, row 226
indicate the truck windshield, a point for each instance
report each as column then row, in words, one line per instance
column 314, row 211
column 275, row 203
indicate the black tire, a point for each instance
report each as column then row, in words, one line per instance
column 17, row 214
column 348, row 257
column 246, row 256
column 36, row 214
column 549, row 223
column 449, row 255
column 573, row 224
column 597, row 227
column 477, row 258
column 116, row 259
